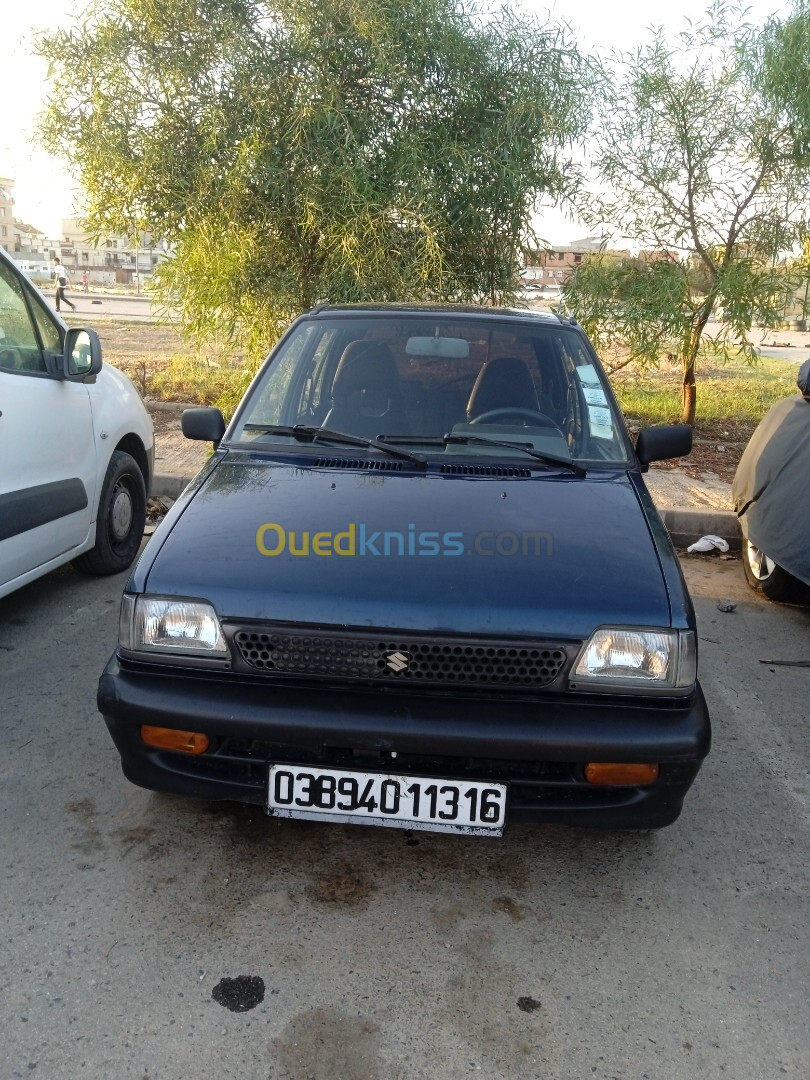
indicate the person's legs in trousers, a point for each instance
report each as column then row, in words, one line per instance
column 60, row 295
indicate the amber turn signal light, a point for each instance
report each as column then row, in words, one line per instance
column 186, row 742
column 610, row 772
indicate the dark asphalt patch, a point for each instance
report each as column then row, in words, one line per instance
column 241, row 994
column 528, row 1004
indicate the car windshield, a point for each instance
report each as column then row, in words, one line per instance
column 413, row 380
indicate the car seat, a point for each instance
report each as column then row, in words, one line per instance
column 503, row 383
column 366, row 392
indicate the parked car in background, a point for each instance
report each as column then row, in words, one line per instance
column 771, row 495
column 420, row 584
column 76, row 445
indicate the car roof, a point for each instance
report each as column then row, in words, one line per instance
column 477, row 310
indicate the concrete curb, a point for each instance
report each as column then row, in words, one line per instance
column 169, row 484
column 687, row 526
column 684, row 526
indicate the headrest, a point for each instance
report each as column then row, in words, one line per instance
column 365, row 365
column 502, row 383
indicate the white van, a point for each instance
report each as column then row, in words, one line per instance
column 38, row 271
column 76, row 445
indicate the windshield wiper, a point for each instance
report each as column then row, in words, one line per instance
column 526, row 448
column 306, row 433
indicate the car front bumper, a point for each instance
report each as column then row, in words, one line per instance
column 539, row 747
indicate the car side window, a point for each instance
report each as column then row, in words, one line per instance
column 19, row 345
column 48, row 330
column 273, row 405
column 313, row 387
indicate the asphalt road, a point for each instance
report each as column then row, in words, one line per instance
column 792, row 354
column 102, row 306
column 106, row 305
column 551, row 953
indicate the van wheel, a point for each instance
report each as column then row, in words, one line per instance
column 767, row 577
column 121, row 519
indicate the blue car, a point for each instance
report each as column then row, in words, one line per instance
column 420, row 583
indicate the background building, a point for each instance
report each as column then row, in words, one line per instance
column 6, row 213
column 29, row 242
column 554, row 266
column 108, row 259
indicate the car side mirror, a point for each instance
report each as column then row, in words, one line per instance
column 662, row 442
column 207, row 425
column 81, row 356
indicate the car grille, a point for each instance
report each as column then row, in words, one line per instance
column 401, row 659
column 486, row 470
column 368, row 464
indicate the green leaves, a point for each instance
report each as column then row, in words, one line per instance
column 630, row 301
column 694, row 163
column 309, row 150
column 779, row 62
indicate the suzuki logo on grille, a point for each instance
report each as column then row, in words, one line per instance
column 397, row 661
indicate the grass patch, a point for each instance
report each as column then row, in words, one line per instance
column 200, row 379
column 163, row 366
column 730, row 394
column 732, row 397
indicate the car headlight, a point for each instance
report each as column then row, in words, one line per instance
column 168, row 624
column 622, row 658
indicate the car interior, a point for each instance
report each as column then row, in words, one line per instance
column 409, row 379
column 374, row 391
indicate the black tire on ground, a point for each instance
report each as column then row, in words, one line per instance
column 767, row 577
column 121, row 519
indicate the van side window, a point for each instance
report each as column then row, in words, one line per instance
column 48, row 330
column 19, row 345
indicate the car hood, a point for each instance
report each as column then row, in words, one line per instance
column 583, row 552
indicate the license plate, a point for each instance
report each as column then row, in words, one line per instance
column 400, row 802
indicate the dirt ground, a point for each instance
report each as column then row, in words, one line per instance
column 163, row 421
column 719, row 455
column 139, row 349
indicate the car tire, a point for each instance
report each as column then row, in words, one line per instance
column 120, row 521
column 767, row 577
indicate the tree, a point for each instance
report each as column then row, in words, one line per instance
column 780, row 59
column 305, row 150
column 693, row 163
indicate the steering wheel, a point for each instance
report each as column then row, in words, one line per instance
column 538, row 419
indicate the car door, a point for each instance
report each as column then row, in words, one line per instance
column 47, row 445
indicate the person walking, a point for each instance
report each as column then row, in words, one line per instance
column 61, row 280
column 85, row 281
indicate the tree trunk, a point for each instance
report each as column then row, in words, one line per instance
column 688, row 358
column 689, row 392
